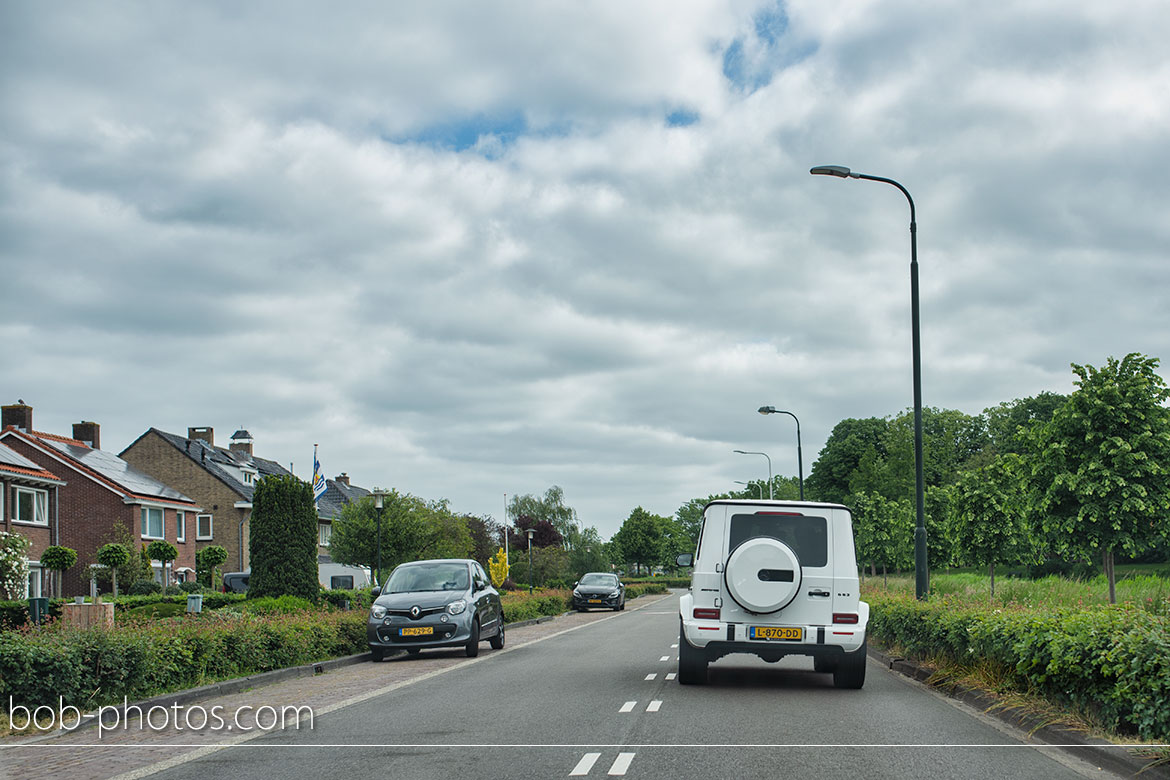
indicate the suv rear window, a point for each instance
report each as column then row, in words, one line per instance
column 807, row 535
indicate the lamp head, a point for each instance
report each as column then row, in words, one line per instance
column 531, row 533
column 767, row 410
column 833, row 170
column 379, row 495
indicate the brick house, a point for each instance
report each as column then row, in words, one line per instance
column 29, row 497
column 101, row 491
column 338, row 493
column 221, row 480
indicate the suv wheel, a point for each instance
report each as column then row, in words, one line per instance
column 692, row 663
column 850, row 671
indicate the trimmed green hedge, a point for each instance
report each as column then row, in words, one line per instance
column 1111, row 664
column 140, row 659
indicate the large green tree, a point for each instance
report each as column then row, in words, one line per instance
column 1009, row 422
column 883, row 531
column 641, row 539
column 411, row 529
column 283, row 539
column 1103, row 467
column 989, row 516
column 848, row 443
column 550, row 507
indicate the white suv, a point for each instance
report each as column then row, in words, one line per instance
column 774, row 578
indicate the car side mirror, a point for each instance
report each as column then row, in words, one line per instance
column 575, row 584
column 686, row 559
column 375, row 591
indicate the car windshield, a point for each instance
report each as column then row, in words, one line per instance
column 428, row 577
column 600, row 579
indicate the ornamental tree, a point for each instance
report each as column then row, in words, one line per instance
column 283, row 539
column 1102, row 475
column 58, row 559
column 13, row 564
column 113, row 556
column 988, row 516
column 206, row 560
column 164, row 552
column 498, row 568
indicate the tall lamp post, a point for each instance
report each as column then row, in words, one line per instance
column 743, row 452
column 921, row 575
column 766, row 410
column 750, row 485
column 379, row 499
column 531, row 533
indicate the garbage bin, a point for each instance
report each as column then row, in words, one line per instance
column 194, row 602
column 38, row 610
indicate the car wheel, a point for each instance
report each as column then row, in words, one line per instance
column 692, row 663
column 622, row 605
column 497, row 641
column 850, row 671
column 377, row 654
column 413, row 651
column 473, row 642
column 823, row 664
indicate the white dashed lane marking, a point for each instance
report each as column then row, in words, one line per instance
column 674, row 646
column 628, row 706
column 621, row 764
column 585, row 764
column 654, row 705
column 670, row 676
column 651, row 676
column 664, row 658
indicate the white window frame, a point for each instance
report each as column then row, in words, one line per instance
column 324, row 532
column 40, row 499
column 180, row 526
column 145, row 524
column 35, row 568
column 200, row 537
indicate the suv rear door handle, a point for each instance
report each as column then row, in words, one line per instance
column 818, row 593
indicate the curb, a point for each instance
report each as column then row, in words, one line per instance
column 1099, row 752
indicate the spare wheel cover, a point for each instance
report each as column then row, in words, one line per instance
column 763, row 575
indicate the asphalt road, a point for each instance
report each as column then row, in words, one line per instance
column 601, row 701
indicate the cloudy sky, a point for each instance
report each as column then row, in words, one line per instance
column 472, row 249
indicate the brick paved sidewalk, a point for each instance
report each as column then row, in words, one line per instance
column 137, row 752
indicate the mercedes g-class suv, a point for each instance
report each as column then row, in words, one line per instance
column 774, row 578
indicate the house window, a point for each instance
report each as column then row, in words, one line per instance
column 180, row 526
column 34, row 581
column 324, row 532
column 248, row 477
column 32, row 506
column 152, row 522
column 203, row 527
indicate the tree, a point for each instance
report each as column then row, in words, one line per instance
column 206, row 561
column 988, row 516
column 640, row 538
column 411, row 529
column 115, row 557
column 58, row 559
column 486, row 536
column 498, row 568
column 1009, row 422
column 545, row 534
column 164, row 552
column 283, row 539
column 551, row 508
column 136, row 565
column 848, row 442
column 13, row 564
column 590, row 554
column 690, row 514
column 883, row 531
column 1103, row 465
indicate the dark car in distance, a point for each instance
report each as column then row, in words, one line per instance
column 599, row 590
column 436, row 603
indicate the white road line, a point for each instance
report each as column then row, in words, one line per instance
column 621, row 763
column 670, row 676
column 651, row 676
column 628, row 706
column 654, row 706
column 664, row 658
column 674, row 646
column 585, row 764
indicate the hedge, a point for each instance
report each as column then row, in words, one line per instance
column 87, row 668
column 14, row 614
column 1111, row 664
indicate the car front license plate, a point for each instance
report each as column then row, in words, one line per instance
column 776, row 633
column 594, row 601
column 419, row 631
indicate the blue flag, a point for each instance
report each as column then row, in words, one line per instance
column 319, row 486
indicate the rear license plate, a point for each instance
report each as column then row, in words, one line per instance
column 776, row 633
column 594, row 601
column 419, row 631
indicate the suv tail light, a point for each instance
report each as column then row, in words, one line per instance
column 844, row 617
column 702, row 613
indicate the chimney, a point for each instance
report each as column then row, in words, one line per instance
column 204, row 434
column 242, row 442
column 343, row 478
column 18, row 414
column 88, row 432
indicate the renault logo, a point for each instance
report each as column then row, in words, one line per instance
column 415, row 612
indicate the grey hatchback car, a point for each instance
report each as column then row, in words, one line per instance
column 436, row 603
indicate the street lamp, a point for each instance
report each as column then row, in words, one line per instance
column 379, row 499
column 742, row 452
column 531, row 533
column 766, row 410
column 750, row 485
column 921, row 575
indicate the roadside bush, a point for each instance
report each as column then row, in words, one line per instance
column 172, row 590
column 279, row 605
column 1111, row 664
column 190, row 587
column 359, row 598
column 145, row 587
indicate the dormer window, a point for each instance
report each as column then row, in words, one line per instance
column 249, row 477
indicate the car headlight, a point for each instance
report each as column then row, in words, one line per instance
column 377, row 612
column 455, row 607
column 577, row 593
column 614, row 594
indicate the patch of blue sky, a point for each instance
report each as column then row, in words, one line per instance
column 462, row 134
column 750, row 67
column 681, row 117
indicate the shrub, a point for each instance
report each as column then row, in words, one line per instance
column 172, row 590
column 280, row 605
column 144, row 587
column 190, row 587
column 283, row 539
